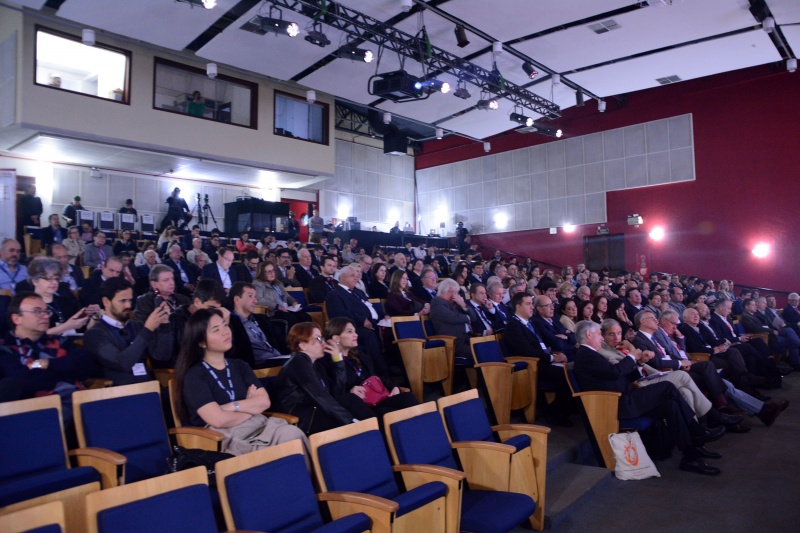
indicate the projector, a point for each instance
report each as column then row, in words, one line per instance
column 397, row 86
column 635, row 220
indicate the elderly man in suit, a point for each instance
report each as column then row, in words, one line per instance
column 185, row 278
column 552, row 332
column 450, row 315
column 523, row 339
column 659, row 400
column 755, row 320
column 347, row 301
column 305, row 272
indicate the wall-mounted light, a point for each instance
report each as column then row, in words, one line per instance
column 768, row 24
column 387, row 118
column 570, row 228
column 277, row 25
column 88, row 37
column 657, row 233
column 487, row 147
column 601, row 106
column 487, row 104
column 311, row 96
column 497, row 47
column 439, row 133
column 211, row 70
column 761, row 250
column 354, row 53
column 519, row 118
column 791, row 64
column 501, row 220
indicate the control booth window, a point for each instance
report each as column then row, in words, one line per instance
column 63, row 62
column 299, row 119
column 189, row 91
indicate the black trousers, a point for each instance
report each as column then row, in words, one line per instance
column 662, row 400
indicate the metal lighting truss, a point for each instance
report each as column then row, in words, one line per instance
column 360, row 26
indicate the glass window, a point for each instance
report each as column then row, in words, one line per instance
column 189, row 91
column 299, row 119
column 64, row 62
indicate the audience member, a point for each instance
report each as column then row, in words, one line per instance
column 11, row 271
column 306, row 272
column 66, row 316
column 96, row 253
column 125, row 244
column 254, row 340
column 185, row 275
column 90, row 293
column 221, row 270
column 322, row 284
column 450, row 315
column 162, row 290
column 401, row 301
column 54, row 233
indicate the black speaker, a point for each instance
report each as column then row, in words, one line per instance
column 395, row 142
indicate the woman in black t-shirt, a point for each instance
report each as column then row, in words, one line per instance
column 221, row 393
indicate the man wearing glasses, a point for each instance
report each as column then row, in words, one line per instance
column 554, row 334
column 35, row 363
column 286, row 271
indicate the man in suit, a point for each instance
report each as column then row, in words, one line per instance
column 676, row 299
column 781, row 337
column 286, row 272
column 71, row 274
column 400, row 263
column 347, row 301
column 552, row 332
column 485, row 322
column 212, row 246
column 365, row 262
column 701, row 339
column 791, row 313
column 324, row 283
column 450, row 315
column 754, row 350
column 185, row 278
column 188, row 239
column 633, row 302
column 253, row 338
column 306, row 272
column 220, row 270
column 247, row 267
column 54, row 233
column 426, row 291
column 98, row 252
column 90, row 293
column 143, row 272
column 496, row 293
column 162, row 289
column 523, row 340
column 477, row 274
column 122, row 346
column 660, row 400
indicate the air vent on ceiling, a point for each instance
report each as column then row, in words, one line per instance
column 604, row 26
column 668, row 80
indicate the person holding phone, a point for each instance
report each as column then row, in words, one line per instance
column 66, row 316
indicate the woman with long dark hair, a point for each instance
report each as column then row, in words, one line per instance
column 271, row 293
column 224, row 394
column 342, row 349
column 400, row 301
column 377, row 286
column 600, row 309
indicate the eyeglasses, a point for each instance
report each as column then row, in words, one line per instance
column 51, row 278
column 320, row 340
column 37, row 312
column 546, row 305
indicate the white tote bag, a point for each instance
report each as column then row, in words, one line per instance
column 632, row 461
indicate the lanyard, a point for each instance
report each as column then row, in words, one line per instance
column 23, row 359
column 14, row 277
column 117, row 332
column 230, row 392
column 55, row 308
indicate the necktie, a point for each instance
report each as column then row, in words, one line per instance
column 128, row 276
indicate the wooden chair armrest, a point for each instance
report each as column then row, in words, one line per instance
column 491, row 365
column 210, row 434
column 358, row 498
column 596, row 393
column 527, row 428
column 763, row 336
column 290, row 419
column 522, row 359
column 110, row 465
column 441, row 471
column 98, row 383
column 484, row 445
column 442, row 338
column 409, row 341
column 698, row 357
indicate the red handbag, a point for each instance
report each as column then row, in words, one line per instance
column 375, row 391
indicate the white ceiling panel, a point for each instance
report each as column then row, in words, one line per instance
column 785, row 11
column 348, row 79
column 505, row 20
column 792, row 34
column 441, row 33
column 730, row 53
column 279, row 56
column 641, row 30
column 378, row 9
column 178, row 23
column 33, row 4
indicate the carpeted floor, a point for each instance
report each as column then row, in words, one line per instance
column 758, row 490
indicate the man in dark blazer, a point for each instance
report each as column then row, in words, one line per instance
column 755, row 320
column 552, row 332
column 220, row 270
column 484, row 322
column 522, row 339
column 791, row 313
column 659, row 400
column 426, row 291
column 321, row 285
column 185, row 278
column 450, row 315
column 305, row 271
column 347, row 301
column 754, row 350
column 53, row 233
column 90, row 293
column 254, row 340
column 246, row 268
column 71, row 275
column 496, row 293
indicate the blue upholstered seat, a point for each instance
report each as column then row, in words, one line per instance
column 25, row 475
column 185, row 509
column 490, row 352
column 411, row 329
column 278, row 497
column 132, row 426
column 360, row 464
column 50, row 528
column 422, row 440
column 467, row 421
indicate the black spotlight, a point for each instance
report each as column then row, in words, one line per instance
column 529, row 70
column 461, row 36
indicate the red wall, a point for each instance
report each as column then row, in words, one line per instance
column 299, row 207
column 746, row 190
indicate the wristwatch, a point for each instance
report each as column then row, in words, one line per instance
column 236, row 406
column 36, row 364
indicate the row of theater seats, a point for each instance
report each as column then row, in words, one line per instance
column 456, row 472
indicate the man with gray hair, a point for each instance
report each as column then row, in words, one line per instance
column 162, row 289
column 450, row 315
column 659, row 400
column 791, row 313
column 583, row 294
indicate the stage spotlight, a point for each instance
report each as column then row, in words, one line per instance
column 461, row 36
column 278, row 25
column 461, row 91
column 529, row 70
column 433, row 85
column 315, row 36
column 521, row 119
column 208, row 4
column 356, row 54
column 486, row 105
column 547, row 130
